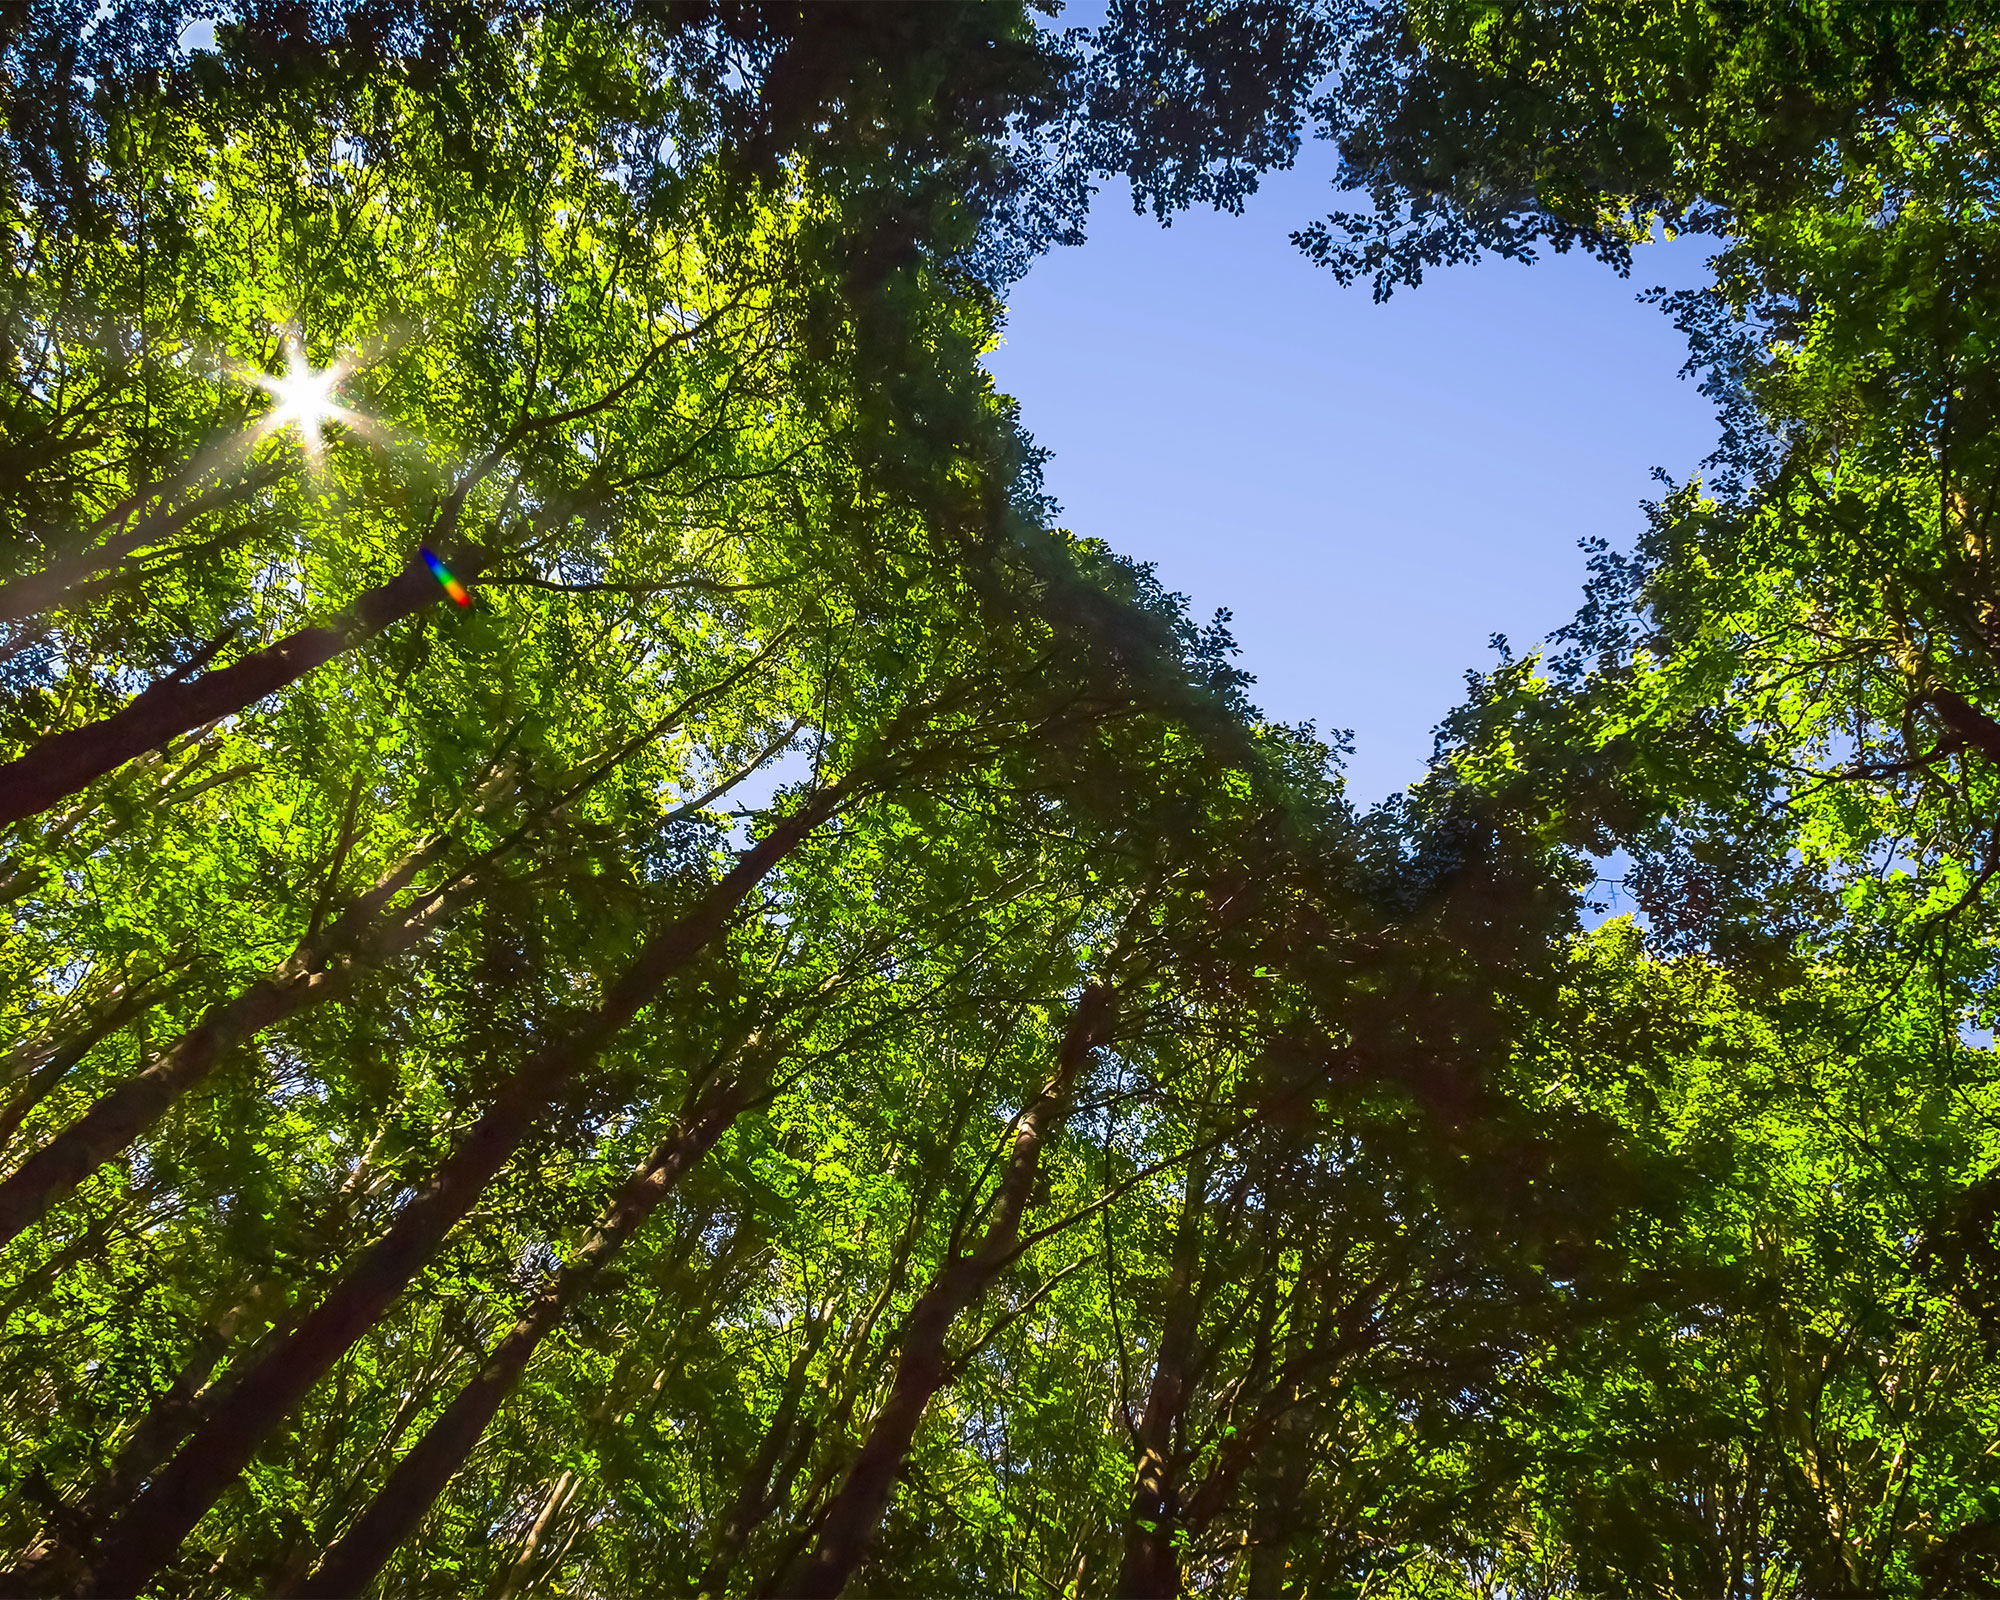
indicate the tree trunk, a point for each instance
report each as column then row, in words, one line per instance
column 54, row 1562
column 1967, row 722
column 61, row 1058
column 36, row 1283
column 757, row 1496
column 1151, row 1569
column 52, row 1565
column 63, row 763
column 1274, row 1519
column 856, row 1510
column 34, row 593
column 517, row 1570
column 853, row 1367
column 320, row 969
column 39, row 592
column 1343, row 1332
column 152, row 1528
column 360, row 1554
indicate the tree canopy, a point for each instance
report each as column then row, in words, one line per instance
column 626, row 972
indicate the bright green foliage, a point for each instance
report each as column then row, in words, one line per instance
column 1780, row 704
column 1390, row 1237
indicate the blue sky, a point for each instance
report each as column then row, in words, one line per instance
column 1373, row 490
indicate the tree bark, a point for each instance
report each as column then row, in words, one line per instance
column 392, row 1515
column 63, row 763
column 854, row 1368
column 922, row 1368
column 320, row 969
column 152, row 1528
column 1967, row 722
column 1343, row 1332
column 52, row 1564
column 1151, row 1568
column 36, row 1283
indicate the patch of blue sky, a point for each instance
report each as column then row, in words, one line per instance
column 1373, row 490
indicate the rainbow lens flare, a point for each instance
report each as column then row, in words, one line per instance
column 442, row 573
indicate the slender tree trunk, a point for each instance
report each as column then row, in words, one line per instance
column 37, row 592
column 757, row 1496
column 854, row 1367
column 129, row 527
column 36, row 1283
column 1343, row 1333
column 320, row 969
column 1151, row 1569
column 55, row 1561
column 124, row 1001
column 517, row 1570
column 175, row 1412
column 63, row 763
column 402, row 1502
column 61, row 1058
column 152, row 1528
column 1274, row 1520
column 922, row 1367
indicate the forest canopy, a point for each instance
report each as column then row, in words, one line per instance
column 626, row 971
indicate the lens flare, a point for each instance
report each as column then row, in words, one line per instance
column 443, row 575
column 304, row 396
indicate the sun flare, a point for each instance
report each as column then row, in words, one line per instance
column 304, row 399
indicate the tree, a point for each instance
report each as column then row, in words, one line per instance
column 811, row 1039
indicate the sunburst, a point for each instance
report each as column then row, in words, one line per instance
column 305, row 402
